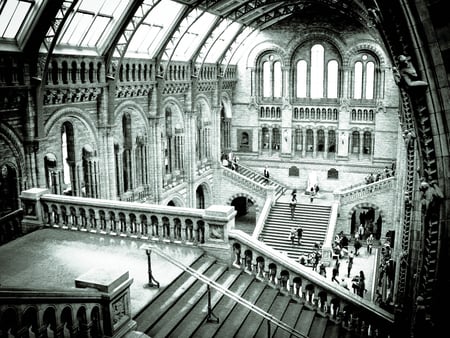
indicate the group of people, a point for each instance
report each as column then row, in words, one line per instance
column 379, row 175
column 296, row 233
column 230, row 161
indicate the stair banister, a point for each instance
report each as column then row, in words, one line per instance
column 270, row 318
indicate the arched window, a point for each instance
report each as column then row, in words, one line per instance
column 301, row 78
column 309, row 140
column 332, row 82
column 277, row 80
column 355, row 142
column 68, row 156
column 367, row 143
column 272, row 76
column 331, row 141
column 364, row 77
column 126, row 155
column 320, row 140
column 317, row 71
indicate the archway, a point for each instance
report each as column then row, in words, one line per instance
column 246, row 214
column 371, row 219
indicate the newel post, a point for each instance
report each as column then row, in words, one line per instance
column 219, row 220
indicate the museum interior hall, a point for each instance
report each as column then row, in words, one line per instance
column 224, row 168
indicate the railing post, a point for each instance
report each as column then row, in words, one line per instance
column 211, row 316
column 151, row 281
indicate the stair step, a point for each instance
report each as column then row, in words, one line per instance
column 199, row 313
column 278, row 309
column 318, row 327
column 168, row 296
column 251, row 324
column 234, row 320
column 305, row 321
column 184, row 304
column 290, row 318
column 224, row 307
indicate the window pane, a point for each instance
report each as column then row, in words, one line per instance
column 229, row 30
column 301, row 78
column 357, row 87
column 95, row 33
column 317, row 70
column 332, row 90
column 266, row 80
column 277, row 79
column 370, row 77
column 12, row 17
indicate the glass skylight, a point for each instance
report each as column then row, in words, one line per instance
column 13, row 14
column 224, row 33
column 92, row 22
column 152, row 32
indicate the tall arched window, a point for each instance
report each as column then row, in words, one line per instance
column 301, row 78
column 317, row 71
column 364, row 77
column 277, row 80
column 68, row 156
column 332, row 81
column 367, row 143
column 126, row 155
column 355, row 142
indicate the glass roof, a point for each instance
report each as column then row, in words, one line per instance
column 94, row 23
column 13, row 14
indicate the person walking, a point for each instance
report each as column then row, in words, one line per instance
column 349, row 263
column 299, row 235
column 361, row 284
column 357, row 246
column 292, row 205
column 292, row 236
column 369, row 242
column 266, row 174
column 312, row 193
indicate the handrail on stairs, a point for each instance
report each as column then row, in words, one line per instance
column 210, row 283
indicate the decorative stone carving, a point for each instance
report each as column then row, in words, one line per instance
column 406, row 74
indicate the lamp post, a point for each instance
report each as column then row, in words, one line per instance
column 151, row 281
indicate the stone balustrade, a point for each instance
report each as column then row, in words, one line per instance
column 362, row 191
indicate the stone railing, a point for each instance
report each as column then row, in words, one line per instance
column 362, row 191
column 360, row 316
column 11, row 226
column 103, row 310
column 207, row 227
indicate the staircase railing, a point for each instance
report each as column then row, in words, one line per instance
column 355, row 193
column 260, row 312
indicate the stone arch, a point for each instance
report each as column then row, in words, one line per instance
column 365, row 205
column 242, row 194
column 66, row 114
column 128, row 106
column 368, row 46
column 263, row 48
column 328, row 36
column 207, row 190
column 177, row 199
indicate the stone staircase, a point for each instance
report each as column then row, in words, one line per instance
column 181, row 309
column 313, row 218
column 258, row 177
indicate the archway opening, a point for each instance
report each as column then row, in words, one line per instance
column 246, row 214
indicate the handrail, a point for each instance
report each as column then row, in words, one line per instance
column 226, row 292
